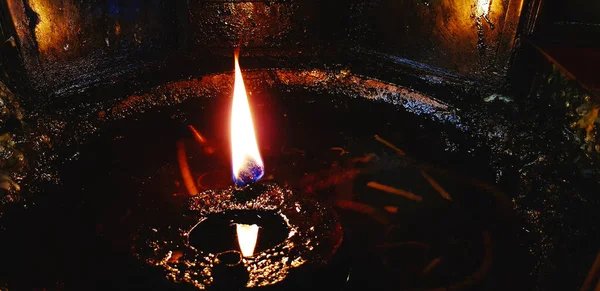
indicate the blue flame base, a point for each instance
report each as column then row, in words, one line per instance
column 251, row 173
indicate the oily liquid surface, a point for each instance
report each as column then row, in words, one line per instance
column 80, row 234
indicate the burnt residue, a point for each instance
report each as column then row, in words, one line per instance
column 544, row 148
column 568, row 195
column 341, row 82
column 313, row 236
column 34, row 20
column 26, row 150
column 12, row 159
column 245, row 23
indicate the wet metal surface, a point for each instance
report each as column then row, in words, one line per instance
column 67, row 43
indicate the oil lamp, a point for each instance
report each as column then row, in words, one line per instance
column 251, row 234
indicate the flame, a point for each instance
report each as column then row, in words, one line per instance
column 247, row 235
column 483, row 8
column 245, row 157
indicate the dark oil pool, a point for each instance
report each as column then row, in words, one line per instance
column 78, row 236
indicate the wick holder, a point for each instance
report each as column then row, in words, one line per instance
column 309, row 234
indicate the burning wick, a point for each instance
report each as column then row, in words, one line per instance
column 246, row 161
column 247, row 235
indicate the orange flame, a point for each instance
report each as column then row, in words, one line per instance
column 245, row 157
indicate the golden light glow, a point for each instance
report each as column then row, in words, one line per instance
column 246, row 162
column 247, row 235
column 58, row 23
column 483, row 8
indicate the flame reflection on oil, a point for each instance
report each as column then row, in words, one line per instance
column 247, row 235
